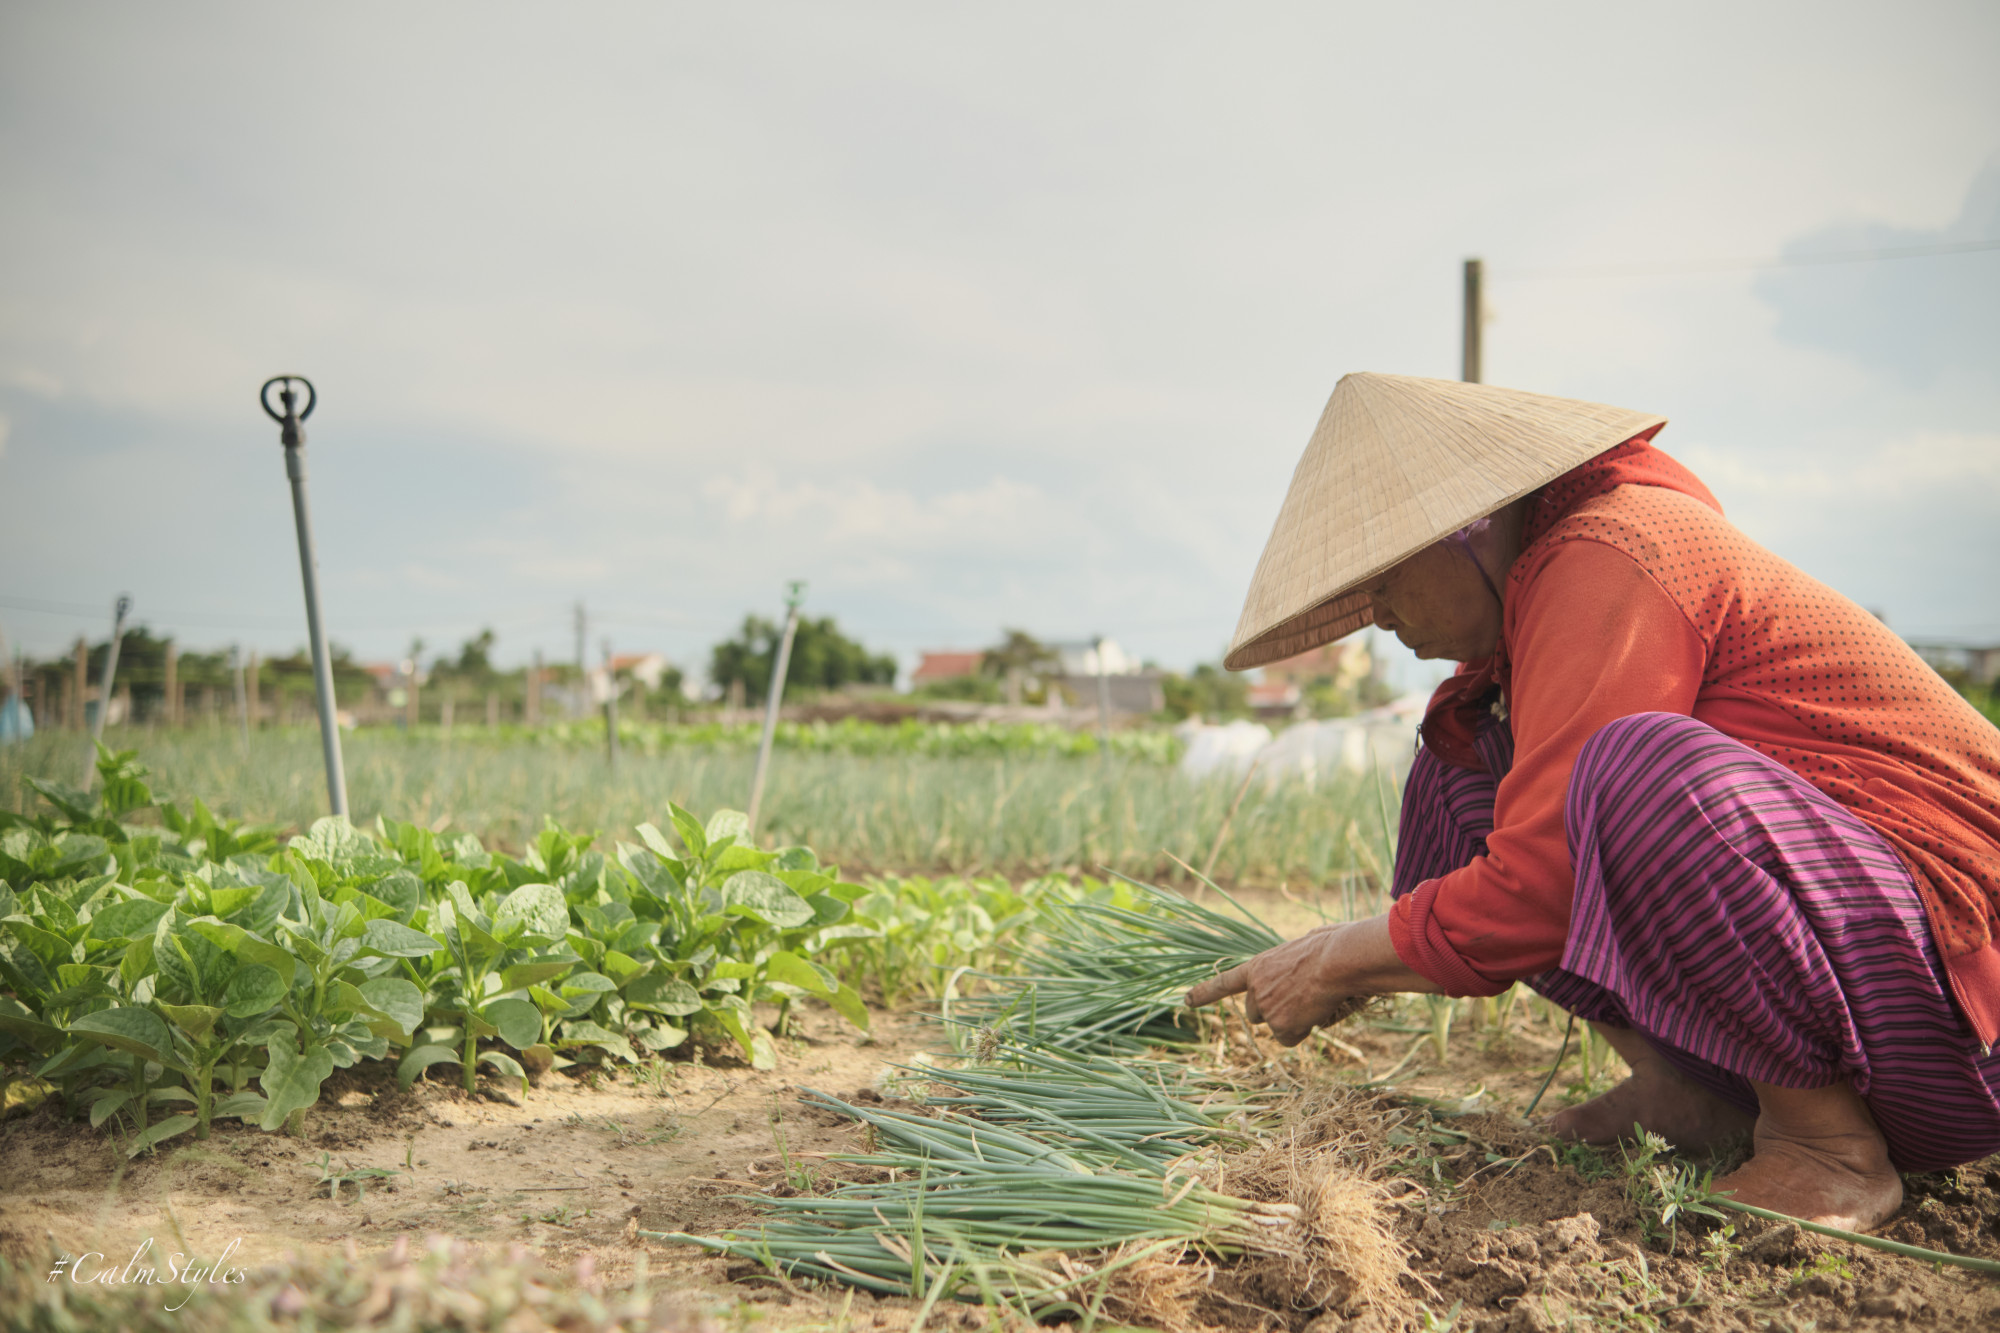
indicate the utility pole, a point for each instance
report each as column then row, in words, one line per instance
column 795, row 594
column 610, row 709
column 242, row 698
column 1103, row 701
column 1470, row 369
column 531, row 707
column 581, row 623
column 80, row 688
column 172, row 684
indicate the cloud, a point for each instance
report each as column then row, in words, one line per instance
column 1914, row 317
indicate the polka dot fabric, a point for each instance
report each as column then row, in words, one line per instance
column 1877, row 729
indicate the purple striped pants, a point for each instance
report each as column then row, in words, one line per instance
column 1747, row 925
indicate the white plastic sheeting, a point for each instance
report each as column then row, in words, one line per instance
column 1381, row 739
column 1227, row 749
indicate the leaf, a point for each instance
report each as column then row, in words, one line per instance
column 291, row 1080
column 248, row 948
column 727, row 824
column 533, row 971
column 392, row 939
column 734, row 1016
column 197, row 1020
column 766, row 898
column 735, row 857
column 18, row 1020
column 107, row 1105
column 622, row 967
column 662, row 1037
column 663, row 994
column 507, row 1065
column 166, row 1129
column 129, row 920
column 587, row 983
column 135, row 1031
column 795, row 971
column 254, row 990
column 519, row 1022
column 847, row 1002
column 657, row 842
column 686, row 825
column 421, row 1058
column 241, row 1106
column 541, row 907
column 46, row 945
column 332, row 840
column 397, row 1000
column 592, row 1034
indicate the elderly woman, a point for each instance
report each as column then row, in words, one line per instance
column 1677, row 786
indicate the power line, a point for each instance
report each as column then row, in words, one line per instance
column 1743, row 264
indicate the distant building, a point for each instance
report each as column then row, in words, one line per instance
column 646, row 668
column 1980, row 663
column 947, row 665
column 1281, row 691
column 1080, row 658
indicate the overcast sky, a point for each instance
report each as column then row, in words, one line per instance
column 970, row 315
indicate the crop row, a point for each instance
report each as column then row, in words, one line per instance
column 855, row 736
column 153, row 971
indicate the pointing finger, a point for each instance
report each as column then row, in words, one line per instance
column 1232, row 982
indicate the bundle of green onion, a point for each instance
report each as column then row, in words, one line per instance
column 1143, row 1105
column 1109, row 979
column 967, row 1198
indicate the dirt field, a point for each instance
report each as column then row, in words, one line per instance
column 1509, row 1234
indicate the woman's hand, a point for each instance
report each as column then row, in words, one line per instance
column 1300, row 984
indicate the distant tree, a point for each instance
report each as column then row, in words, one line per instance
column 1207, row 692
column 475, row 661
column 1019, row 651
column 822, row 658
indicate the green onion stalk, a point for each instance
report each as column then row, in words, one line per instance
column 1141, row 1105
column 971, row 1193
column 1111, row 980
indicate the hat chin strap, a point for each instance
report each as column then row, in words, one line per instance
column 1462, row 543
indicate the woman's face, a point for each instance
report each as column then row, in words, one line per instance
column 1437, row 604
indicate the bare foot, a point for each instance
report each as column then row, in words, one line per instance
column 1818, row 1156
column 1657, row 1097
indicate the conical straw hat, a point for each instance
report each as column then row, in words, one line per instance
column 1395, row 464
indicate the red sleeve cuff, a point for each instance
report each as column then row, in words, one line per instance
column 1420, row 943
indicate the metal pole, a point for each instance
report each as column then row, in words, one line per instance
column 294, row 440
column 610, row 709
column 242, row 698
column 1103, row 701
column 795, row 593
column 1475, row 316
column 118, row 613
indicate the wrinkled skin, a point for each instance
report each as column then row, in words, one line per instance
column 1818, row 1154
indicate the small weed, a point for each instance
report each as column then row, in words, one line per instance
column 562, row 1215
column 1718, row 1248
column 1432, row 1322
column 1588, row 1161
column 1828, row 1265
column 359, row 1176
column 1665, row 1191
column 652, row 1075
column 798, row 1174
